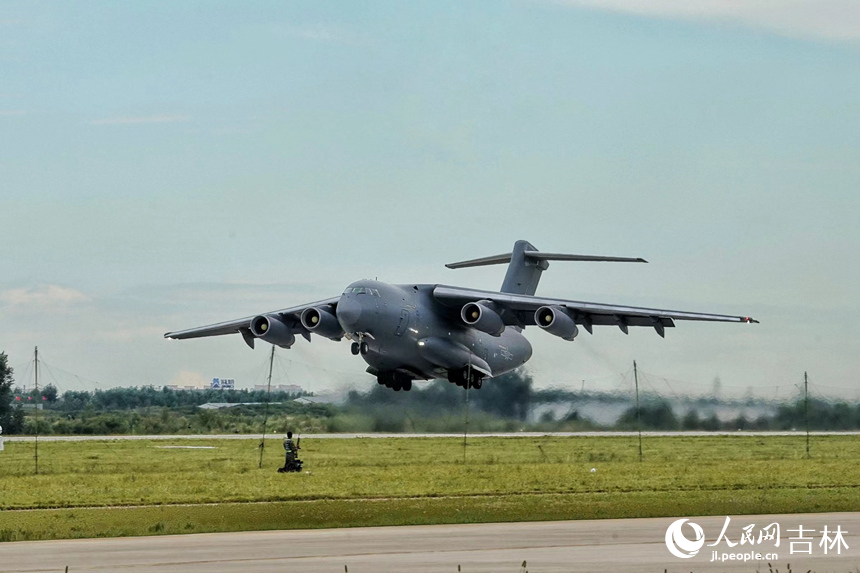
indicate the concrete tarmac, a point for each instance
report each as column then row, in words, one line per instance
column 628, row 545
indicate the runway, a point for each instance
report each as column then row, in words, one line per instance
column 629, row 545
column 384, row 435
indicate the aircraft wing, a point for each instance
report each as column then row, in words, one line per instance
column 519, row 310
column 241, row 326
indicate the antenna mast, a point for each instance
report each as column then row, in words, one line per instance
column 638, row 411
column 266, row 414
column 36, row 375
column 806, row 408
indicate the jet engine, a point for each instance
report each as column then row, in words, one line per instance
column 481, row 315
column 322, row 322
column 556, row 320
column 273, row 330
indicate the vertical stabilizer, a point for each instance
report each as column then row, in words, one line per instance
column 523, row 272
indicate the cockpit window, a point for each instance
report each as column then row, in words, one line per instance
column 362, row 290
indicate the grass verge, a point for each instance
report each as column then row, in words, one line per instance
column 23, row 525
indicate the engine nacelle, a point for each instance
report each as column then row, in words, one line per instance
column 480, row 315
column 272, row 330
column 555, row 320
column 322, row 322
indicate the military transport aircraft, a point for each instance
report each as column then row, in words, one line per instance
column 420, row 332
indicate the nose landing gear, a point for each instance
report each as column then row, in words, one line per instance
column 359, row 348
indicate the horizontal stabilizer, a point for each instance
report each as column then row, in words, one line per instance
column 563, row 257
column 539, row 256
column 483, row 261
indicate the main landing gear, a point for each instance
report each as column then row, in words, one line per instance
column 466, row 376
column 397, row 381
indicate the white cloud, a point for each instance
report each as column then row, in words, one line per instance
column 328, row 33
column 321, row 33
column 46, row 295
column 835, row 20
column 126, row 120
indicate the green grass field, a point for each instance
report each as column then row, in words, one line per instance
column 352, row 482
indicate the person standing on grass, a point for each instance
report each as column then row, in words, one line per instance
column 290, row 449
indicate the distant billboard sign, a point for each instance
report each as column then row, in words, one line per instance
column 223, row 384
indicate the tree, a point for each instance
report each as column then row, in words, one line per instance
column 6, row 381
column 691, row 421
column 657, row 416
column 49, row 393
column 508, row 396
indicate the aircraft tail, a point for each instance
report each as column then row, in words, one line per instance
column 526, row 263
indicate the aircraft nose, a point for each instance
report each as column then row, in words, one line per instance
column 348, row 313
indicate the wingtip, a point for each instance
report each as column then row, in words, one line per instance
column 449, row 266
column 641, row 260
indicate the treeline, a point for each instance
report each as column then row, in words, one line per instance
column 184, row 420
column 147, row 410
column 11, row 418
column 149, row 397
column 821, row 415
column 435, row 407
column 503, row 404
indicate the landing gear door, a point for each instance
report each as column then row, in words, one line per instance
column 403, row 323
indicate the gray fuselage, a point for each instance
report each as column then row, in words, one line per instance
column 406, row 329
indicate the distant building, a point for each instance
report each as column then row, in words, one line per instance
column 220, row 405
column 223, row 384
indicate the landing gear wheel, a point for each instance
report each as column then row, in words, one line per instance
column 460, row 377
column 407, row 385
column 477, row 382
column 355, row 348
column 385, row 378
column 363, row 348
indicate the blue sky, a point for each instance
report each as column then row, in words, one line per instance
column 168, row 165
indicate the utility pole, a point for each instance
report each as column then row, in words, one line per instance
column 36, row 375
column 466, row 424
column 266, row 412
column 638, row 412
column 806, row 408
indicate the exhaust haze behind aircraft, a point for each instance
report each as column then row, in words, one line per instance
column 424, row 331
